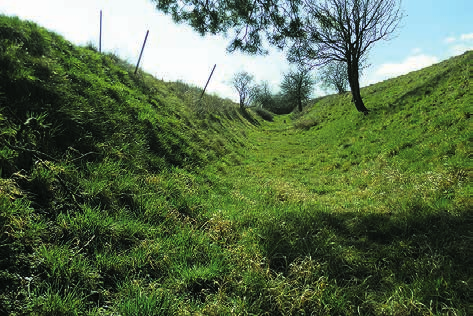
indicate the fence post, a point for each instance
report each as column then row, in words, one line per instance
column 208, row 80
column 142, row 48
column 100, row 36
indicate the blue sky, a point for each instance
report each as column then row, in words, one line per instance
column 430, row 32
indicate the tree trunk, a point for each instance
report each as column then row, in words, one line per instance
column 360, row 106
column 299, row 93
column 353, row 79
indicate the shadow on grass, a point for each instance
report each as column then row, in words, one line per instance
column 378, row 253
column 248, row 117
column 15, row 266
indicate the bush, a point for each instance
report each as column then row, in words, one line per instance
column 280, row 105
column 264, row 114
column 306, row 123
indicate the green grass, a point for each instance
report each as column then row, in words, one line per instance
column 125, row 195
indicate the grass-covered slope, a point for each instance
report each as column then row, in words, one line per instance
column 368, row 215
column 61, row 98
column 94, row 165
column 120, row 196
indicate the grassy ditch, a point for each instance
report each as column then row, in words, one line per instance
column 121, row 195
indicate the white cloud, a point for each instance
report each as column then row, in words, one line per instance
column 172, row 52
column 411, row 63
column 460, row 45
column 460, row 48
column 466, row 37
column 453, row 46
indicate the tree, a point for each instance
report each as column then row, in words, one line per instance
column 344, row 31
column 262, row 95
column 316, row 32
column 242, row 82
column 297, row 86
column 334, row 76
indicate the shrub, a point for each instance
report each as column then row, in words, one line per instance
column 306, row 123
column 264, row 114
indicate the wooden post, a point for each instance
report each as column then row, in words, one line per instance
column 100, row 36
column 142, row 48
column 203, row 91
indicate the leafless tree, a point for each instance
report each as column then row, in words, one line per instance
column 243, row 83
column 344, row 31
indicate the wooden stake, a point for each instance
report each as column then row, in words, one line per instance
column 100, row 36
column 203, row 91
column 142, row 48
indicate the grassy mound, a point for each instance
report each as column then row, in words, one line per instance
column 122, row 195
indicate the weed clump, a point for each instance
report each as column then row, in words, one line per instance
column 306, row 123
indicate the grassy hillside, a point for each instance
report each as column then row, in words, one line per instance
column 364, row 215
column 95, row 164
column 120, row 196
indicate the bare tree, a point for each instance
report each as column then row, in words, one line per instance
column 243, row 83
column 344, row 31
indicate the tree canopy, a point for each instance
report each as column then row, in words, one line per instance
column 250, row 22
